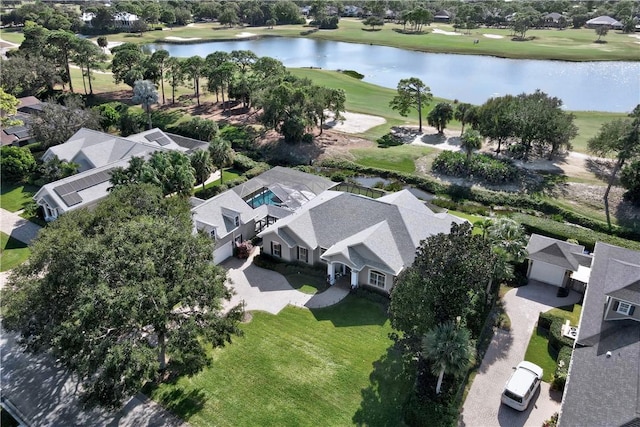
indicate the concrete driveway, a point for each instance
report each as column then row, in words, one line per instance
column 482, row 408
column 17, row 227
column 269, row 291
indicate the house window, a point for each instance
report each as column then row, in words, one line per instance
column 303, row 254
column 624, row 308
column 236, row 220
column 276, row 249
column 212, row 233
column 377, row 279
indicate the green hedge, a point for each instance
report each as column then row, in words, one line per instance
column 562, row 369
column 481, row 166
column 556, row 340
column 563, row 231
column 546, row 319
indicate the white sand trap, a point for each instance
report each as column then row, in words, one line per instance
column 182, row 39
column 354, row 122
column 493, row 36
column 242, row 35
column 445, row 33
column 634, row 36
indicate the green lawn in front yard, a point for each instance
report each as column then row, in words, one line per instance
column 15, row 196
column 12, row 253
column 330, row 366
column 400, row 158
column 306, row 283
column 540, row 352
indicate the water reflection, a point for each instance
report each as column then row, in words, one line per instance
column 600, row 86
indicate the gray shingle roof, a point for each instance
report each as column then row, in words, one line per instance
column 554, row 251
column 381, row 232
column 601, row 390
column 214, row 213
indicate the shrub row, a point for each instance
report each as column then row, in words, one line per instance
column 210, row 192
column 499, row 198
column 553, row 324
column 389, row 140
column 563, row 231
column 248, row 167
column 481, row 166
column 562, row 369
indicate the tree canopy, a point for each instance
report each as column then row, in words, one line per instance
column 412, row 94
column 112, row 292
column 448, row 279
column 57, row 123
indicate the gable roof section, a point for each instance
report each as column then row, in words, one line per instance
column 604, row 20
column 623, row 281
column 554, row 251
column 605, row 390
column 213, row 213
column 384, row 232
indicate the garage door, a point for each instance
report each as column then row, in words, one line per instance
column 223, row 252
column 547, row 273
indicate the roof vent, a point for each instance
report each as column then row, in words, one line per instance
column 608, row 354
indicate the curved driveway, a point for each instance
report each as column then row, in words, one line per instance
column 482, row 407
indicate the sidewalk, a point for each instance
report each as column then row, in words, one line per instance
column 17, row 227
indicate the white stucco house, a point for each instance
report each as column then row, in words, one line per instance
column 557, row 262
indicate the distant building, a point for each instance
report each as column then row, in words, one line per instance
column 442, row 16
column 21, row 134
column 602, row 21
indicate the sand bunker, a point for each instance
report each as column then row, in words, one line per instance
column 354, row 122
column 493, row 36
column 634, row 36
column 445, row 33
column 242, row 35
column 182, row 39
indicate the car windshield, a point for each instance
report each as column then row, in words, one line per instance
column 512, row 396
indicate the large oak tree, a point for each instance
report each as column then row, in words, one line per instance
column 112, row 293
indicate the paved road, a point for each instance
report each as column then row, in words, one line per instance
column 17, row 227
column 482, row 407
column 266, row 290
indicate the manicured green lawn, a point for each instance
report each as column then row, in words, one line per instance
column 400, row 158
column 569, row 312
column 13, row 252
column 540, row 353
column 15, row 196
column 300, row 368
column 307, row 283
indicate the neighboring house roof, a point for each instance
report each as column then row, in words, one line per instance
column 554, row 251
column 357, row 230
column 28, row 106
column 292, row 187
column 189, row 143
column 443, row 14
column 218, row 212
column 604, row 20
column 553, row 16
column 97, row 153
column 603, row 388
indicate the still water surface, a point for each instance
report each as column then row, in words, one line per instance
column 583, row 86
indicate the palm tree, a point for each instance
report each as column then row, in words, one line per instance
column 221, row 153
column 470, row 141
column 145, row 93
column 450, row 349
column 509, row 235
column 201, row 163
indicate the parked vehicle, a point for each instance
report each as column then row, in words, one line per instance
column 522, row 385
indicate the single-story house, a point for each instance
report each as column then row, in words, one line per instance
column 603, row 384
column 556, row 262
column 602, row 21
column 124, row 19
column 442, row 16
column 97, row 154
column 552, row 19
column 242, row 212
column 372, row 240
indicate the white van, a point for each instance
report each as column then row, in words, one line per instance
column 522, row 386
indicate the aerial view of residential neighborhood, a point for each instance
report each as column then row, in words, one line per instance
column 320, row 213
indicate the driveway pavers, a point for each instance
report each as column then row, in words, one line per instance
column 482, row 408
column 269, row 291
column 17, row 227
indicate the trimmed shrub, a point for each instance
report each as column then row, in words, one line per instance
column 353, row 73
column 481, row 166
column 239, row 136
column 244, row 249
column 556, row 340
column 389, row 140
column 545, row 320
column 562, row 369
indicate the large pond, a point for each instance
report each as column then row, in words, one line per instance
column 583, row 86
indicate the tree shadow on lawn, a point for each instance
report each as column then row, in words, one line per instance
column 352, row 311
column 384, row 398
column 600, row 168
column 181, row 402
